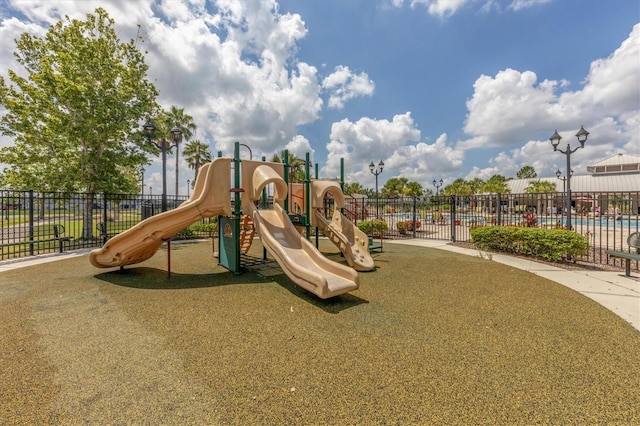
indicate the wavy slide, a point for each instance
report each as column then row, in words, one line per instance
column 351, row 241
column 210, row 198
column 298, row 258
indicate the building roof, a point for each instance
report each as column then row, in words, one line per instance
column 621, row 182
column 619, row 163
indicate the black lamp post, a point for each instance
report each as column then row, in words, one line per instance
column 564, row 186
column 164, row 145
column 142, row 181
column 376, row 171
column 188, row 187
column 555, row 141
column 438, row 186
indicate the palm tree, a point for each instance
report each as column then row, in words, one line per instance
column 177, row 117
column 413, row 189
column 296, row 166
column 196, row 154
column 353, row 188
column 458, row 187
column 497, row 184
column 527, row 172
column 540, row 187
column 394, row 187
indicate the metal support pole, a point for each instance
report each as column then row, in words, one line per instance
column 569, row 225
column 164, row 175
column 307, row 193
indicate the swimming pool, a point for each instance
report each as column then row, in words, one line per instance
column 604, row 221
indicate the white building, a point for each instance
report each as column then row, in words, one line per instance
column 619, row 173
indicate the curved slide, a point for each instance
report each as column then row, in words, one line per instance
column 298, row 258
column 351, row 241
column 210, row 198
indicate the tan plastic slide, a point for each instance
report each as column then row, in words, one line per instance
column 297, row 257
column 351, row 241
column 210, row 198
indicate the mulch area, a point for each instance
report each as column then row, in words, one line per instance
column 430, row 337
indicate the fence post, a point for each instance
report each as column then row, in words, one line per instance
column 105, row 217
column 415, row 222
column 31, row 236
column 453, row 218
column 499, row 212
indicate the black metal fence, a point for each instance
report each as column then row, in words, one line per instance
column 44, row 222
column 34, row 223
column 606, row 218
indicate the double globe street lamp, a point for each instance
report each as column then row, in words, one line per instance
column 438, row 185
column 376, row 171
column 564, row 188
column 555, row 141
column 164, row 145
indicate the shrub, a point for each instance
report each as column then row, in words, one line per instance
column 546, row 244
column 373, row 227
column 197, row 230
column 186, row 234
column 402, row 227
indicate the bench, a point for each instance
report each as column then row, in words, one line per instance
column 634, row 243
column 56, row 233
column 373, row 247
column 101, row 227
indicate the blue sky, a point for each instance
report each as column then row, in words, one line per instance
column 435, row 88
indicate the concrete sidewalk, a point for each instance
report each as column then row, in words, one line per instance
column 613, row 290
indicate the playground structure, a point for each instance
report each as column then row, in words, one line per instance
column 297, row 256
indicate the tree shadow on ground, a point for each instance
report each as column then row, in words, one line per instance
column 158, row 279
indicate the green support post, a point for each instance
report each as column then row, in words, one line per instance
column 342, row 180
column 237, row 207
column 307, row 193
column 264, row 191
column 229, row 228
column 285, row 160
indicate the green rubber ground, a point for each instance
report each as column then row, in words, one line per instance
column 430, row 337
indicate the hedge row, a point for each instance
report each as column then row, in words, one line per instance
column 373, row 227
column 546, row 244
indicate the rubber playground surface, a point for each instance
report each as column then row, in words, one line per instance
column 429, row 337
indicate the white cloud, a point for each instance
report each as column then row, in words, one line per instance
column 523, row 4
column 368, row 139
column 446, row 8
column 504, row 108
column 345, row 85
column 300, row 146
column 440, row 8
column 512, row 106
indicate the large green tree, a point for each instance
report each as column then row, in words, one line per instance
column 71, row 116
